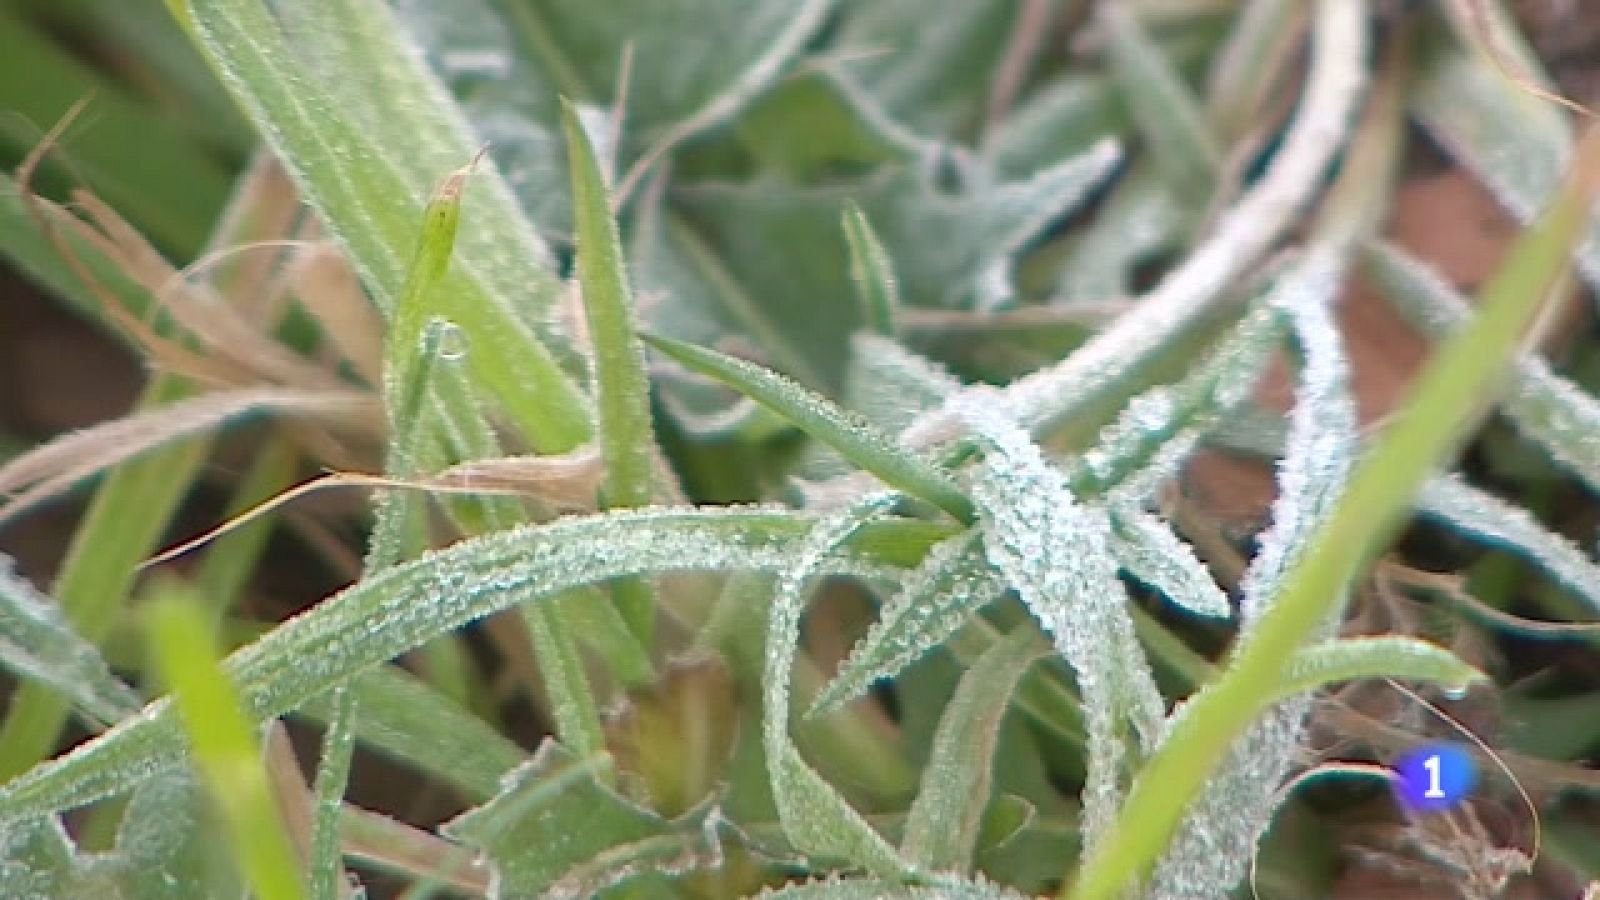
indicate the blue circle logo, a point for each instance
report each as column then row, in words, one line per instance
column 1434, row 777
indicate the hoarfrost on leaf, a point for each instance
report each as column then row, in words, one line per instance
column 1057, row 554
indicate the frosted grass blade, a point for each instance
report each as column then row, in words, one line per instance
column 408, row 604
column 1213, row 848
column 621, row 385
column 1056, row 552
column 1451, row 500
column 941, row 830
column 854, row 438
column 354, row 178
column 1547, row 408
column 1152, row 554
column 815, row 818
column 38, row 645
column 934, row 601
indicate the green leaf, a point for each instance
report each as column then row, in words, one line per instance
column 931, row 72
column 1056, row 552
column 166, row 847
column 815, row 818
column 941, row 829
column 1388, row 656
column 622, row 388
column 1447, row 395
column 554, row 830
column 405, row 719
column 872, row 271
column 1499, row 524
column 935, row 600
column 1152, row 554
column 226, row 753
column 369, row 180
column 508, row 61
column 721, row 247
column 1174, row 126
column 36, row 858
column 39, row 646
column 854, row 438
column 406, row 605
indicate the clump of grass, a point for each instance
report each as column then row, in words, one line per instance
column 577, row 369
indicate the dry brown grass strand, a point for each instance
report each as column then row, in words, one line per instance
column 54, row 467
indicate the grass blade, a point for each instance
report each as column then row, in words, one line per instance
column 362, row 184
column 816, row 819
column 1387, row 656
column 854, row 439
column 1444, row 400
column 408, row 604
column 942, row 826
column 224, row 749
column 40, row 647
column 872, row 271
column 622, row 388
column 934, row 601
column 1549, row 410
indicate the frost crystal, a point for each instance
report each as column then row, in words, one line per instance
column 1056, row 552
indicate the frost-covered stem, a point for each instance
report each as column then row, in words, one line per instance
column 1335, row 83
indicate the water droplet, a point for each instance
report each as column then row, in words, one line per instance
column 452, row 341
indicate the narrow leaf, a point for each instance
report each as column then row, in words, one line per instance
column 1056, row 552
column 405, row 719
column 1549, row 410
column 854, row 438
column 872, row 271
column 225, row 750
column 38, row 645
column 408, row 604
column 934, row 601
column 1458, row 504
column 1163, row 106
column 941, row 829
column 622, row 388
column 1150, row 552
column 1388, row 656
column 815, row 818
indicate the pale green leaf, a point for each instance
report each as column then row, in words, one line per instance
column 1518, row 143
column 1388, row 656
column 367, row 180
column 854, row 438
column 1152, row 554
column 935, row 600
column 941, row 830
column 815, row 817
column 556, row 831
column 1548, row 409
column 509, row 61
column 38, row 644
column 1056, row 552
column 405, row 605
column 1451, row 500
column 1167, row 112
column 405, row 719
column 872, row 271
